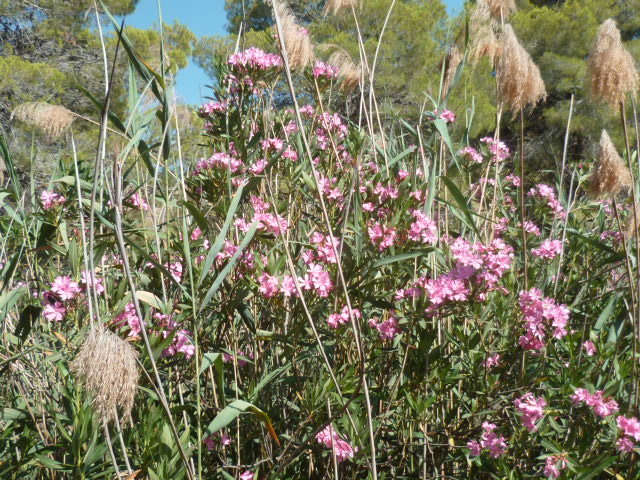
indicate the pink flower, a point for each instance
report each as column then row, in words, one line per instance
column 538, row 312
column 603, row 407
column 54, row 310
column 335, row 320
column 625, row 445
column 531, row 410
column 208, row 441
column 321, row 69
column 268, row 285
column 629, row 426
column 553, row 466
column 65, row 288
column 247, row 475
column 490, row 441
column 196, row 234
column 589, row 347
column 131, row 319
column 92, row 280
column 381, row 235
column 331, row 439
column 548, row 249
column 423, row 229
column 492, row 361
column 532, row 228
column 138, row 201
column 472, row 154
column 51, row 200
column 498, row 149
column 387, row 329
column 254, row 59
column 448, row 116
column 288, row 287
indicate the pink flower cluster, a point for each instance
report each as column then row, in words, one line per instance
column 472, row 154
column 324, row 249
column 602, row 407
column 492, row 361
column 546, row 192
column 324, row 70
column 227, row 358
column 62, row 290
column 531, row 410
column 51, row 200
column 589, row 347
column 130, row 318
column 423, row 229
column 548, row 249
column 630, row 428
column 138, row 201
column 538, row 311
column 532, row 228
column 387, row 329
column 181, row 343
column 447, row 115
column 331, row 439
column 212, row 107
column 554, row 464
column 381, row 235
column 490, row 441
column 254, row 59
column 219, row 159
column 498, row 149
column 335, row 320
column 210, row 441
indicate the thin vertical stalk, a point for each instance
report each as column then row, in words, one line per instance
column 522, row 229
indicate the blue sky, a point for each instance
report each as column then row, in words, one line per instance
column 203, row 17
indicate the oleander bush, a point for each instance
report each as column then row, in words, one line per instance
column 325, row 294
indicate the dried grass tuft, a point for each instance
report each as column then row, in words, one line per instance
column 349, row 72
column 610, row 175
column 611, row 67
column 296, row 38
column 501, row 9
column 107, row 367
column 519, row 81
column 53, row 120
column 335, row 6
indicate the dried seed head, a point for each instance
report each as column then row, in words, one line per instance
column 611, row 66
column 53, row 120
column 519, row 81
column 610, row 175
column 501, row 9
column 296, row 38
column 107, row 367
column 454, row 57
column 484, row 41
column 349, row 72
column 334, row 6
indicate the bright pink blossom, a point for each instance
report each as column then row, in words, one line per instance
column 496, row 445
column 51, row 200
column 331, row 439
column 589, row 347
column 531, row 410
column 65, row 288
column 548, row 249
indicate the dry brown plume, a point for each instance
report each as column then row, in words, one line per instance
column 484, row 41
column 501, row 9
column 335, row 6
column 610, row 175
column 107, row 367
column 453, row 60
column 519, row 81
column 53, row 120
column 611, row 67
column 349, row 72
column 296, row 38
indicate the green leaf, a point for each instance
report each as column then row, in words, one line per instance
column 8, row 414
column 217, row 245
column 461, row 201
column 401, row 257
column 592, row 472
column 9, row 299
column 225, row 271
column 233, row 410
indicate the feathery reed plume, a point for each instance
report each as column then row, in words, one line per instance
column 611, row 66
column 53, row 120
column 610, row 175
column 349, row 72
column 334, row 6
column 107, row 367
column 454, row 57
column 296, row 38
column 501, row 9
column 519, row 81
column 484, row 41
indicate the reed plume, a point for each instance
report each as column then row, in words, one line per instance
column 484, row 41
column 107, row 367
column 611, row 67
column 296, row 38
column 335, row 6
column 453, row 60
column 53, row 120
column 610, row 175
column 519, row 81
column 501, row 9
column 349, row 72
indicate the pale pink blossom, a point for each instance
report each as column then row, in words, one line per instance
column 589, row 347
column 548, row 249
column 65, row 288
column 51, row 200
column 332, row 440
column 531, row 410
